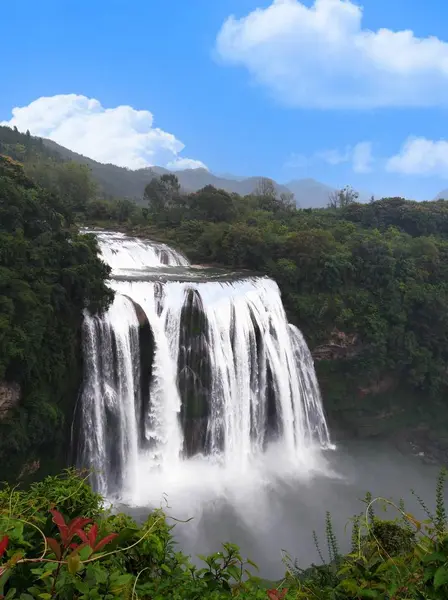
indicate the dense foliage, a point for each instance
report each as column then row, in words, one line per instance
column 58, row 542
column 374, row 274
column 48, row 275
column 366, row 283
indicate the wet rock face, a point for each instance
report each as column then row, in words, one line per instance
column 10, row 394
column 141, row 315
column 194, row 370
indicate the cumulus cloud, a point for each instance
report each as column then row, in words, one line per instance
column 122, row 135
column 420, row 156
column 360, row 156
column 179, row 164
column 322, row 56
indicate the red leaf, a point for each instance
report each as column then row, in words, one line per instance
column 277, row 594
column 105, row 541
column 83, row 536
column 3, row 544
column 75, row 527
column 58, row 520
column 55, row 547
column 93, row 534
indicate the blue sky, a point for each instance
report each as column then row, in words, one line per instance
column 291, row 90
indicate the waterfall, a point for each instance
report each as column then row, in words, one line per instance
column 229, row 378
column 124, row 254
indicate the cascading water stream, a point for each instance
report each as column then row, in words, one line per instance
column 230, row 379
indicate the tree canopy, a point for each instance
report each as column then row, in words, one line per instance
column 376, row 271
column 49, row 274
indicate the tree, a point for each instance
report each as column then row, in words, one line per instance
column 342, row 198
column 287, row 200
column 49, row 274
column 268, row 199
column 162, row 192
column 265, row 188
column 124, row 209
column 210, row 204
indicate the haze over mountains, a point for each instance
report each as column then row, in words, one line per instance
column 443, row 195
column 122, row 182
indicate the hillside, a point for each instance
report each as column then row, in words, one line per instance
column 443, row 195
column 310, row 193
column 119, row 182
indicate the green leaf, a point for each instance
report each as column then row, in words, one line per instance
column 85, row 553
column 252, row 564
column 82, row 586
column 368, row 593
column 433, row 557
column 124, row 536
column 73, row 563
column 441, row 577
column 234, row 572
column 121, row 579
column 4, row 578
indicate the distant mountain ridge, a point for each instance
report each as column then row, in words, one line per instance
column 117, row 181
column 443, row 195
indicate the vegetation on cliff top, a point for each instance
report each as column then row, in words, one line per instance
column 48, row 275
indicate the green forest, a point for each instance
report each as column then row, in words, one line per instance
column 366, row 283
column 48, row 275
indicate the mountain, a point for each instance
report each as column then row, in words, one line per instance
column 121, row 182
column 310, row 193
column 443, row 195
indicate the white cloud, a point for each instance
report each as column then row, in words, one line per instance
column 420, row 156
column 334, row 157
column 322, row 57
column 360, row 155
column 122, row 135
column 179, row 164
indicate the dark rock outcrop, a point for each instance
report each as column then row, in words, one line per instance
column 194, row 370
column 10, row 394
column 147, row 347
column 340, row 345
